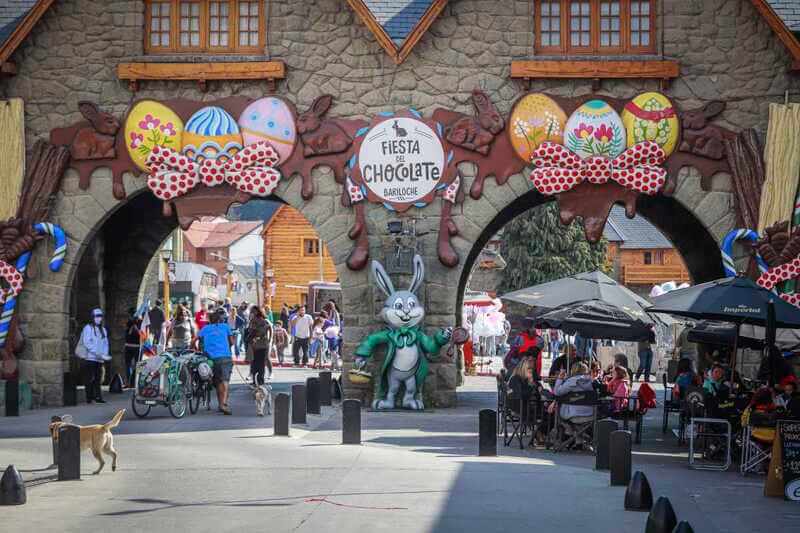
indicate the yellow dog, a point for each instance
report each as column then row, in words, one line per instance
column 97, row 438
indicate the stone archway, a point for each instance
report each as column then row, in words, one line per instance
column 129, row 233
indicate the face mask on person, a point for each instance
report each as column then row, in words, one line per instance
column 98, row 320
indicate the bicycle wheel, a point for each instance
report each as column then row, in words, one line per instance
column 197, row 393
column 139, row 409
column 180, row 398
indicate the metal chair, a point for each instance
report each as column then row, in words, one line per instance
column 516, row 414
column 670, row 405
column 502, row 392
column 581, row 429
column 710, row 437
column 758, row 434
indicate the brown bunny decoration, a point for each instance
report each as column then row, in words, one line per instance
column 477, row 133
column 321, row 137
column 95, row 141
column 778, row 245
column 700, row 137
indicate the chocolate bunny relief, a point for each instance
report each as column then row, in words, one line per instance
column 700, row 137
column 408, row 348
column 96, row 140
column 321, row 137
column 477, row 133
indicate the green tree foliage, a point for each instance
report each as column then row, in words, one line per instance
column 538, row 248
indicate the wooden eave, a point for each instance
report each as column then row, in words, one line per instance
column 19, row 34
column 784, row 34
column 201, row 72
column 664, row 70
column 398, row 55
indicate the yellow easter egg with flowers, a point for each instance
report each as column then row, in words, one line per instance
column 652, row 117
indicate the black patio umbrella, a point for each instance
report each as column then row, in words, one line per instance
column 599, row 320
column 578, row 288
column 739, row 300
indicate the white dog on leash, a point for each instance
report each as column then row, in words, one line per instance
column 262, row 395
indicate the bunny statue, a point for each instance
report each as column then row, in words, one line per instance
column 408, row 347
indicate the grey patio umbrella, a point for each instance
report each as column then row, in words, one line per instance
column 596, row 319
column 579, row 288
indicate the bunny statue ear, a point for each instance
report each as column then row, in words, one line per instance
column 419, row 274
column 382, row 278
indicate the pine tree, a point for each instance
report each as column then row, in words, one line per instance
column 538, row 248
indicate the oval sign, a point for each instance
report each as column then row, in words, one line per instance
column 401, row 160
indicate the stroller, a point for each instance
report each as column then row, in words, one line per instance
column 162, row 380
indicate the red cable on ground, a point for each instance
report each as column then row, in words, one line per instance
column 325, row 500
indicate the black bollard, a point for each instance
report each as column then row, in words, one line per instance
column 312, row 396
column 115, row 385
column 662, row 518
column 602, row 444
column 298, row 404
column 351, row 422
column 12, row 487
column 487, row 433
column 336, row 388
column 53, row 439
column 620, row 457
column 12, row 397
column 280, row 419
column 69, row 453
column 325, row 387
column 70, row 390
column 638, row 496
column 683, row 527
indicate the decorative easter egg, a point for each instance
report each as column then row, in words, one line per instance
column 211, row 133
column 651, row 117
column 536, row 118
column 150, row 123
column 595, row 129
column 269, row 119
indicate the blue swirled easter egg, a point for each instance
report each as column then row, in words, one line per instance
column 211, row 133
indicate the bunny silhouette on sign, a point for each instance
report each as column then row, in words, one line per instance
column 408, row 347
column 97, row 140
column 321, row 137
column 700, row 137
column 477, row 133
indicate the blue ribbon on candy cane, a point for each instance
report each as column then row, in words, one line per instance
column 728, row 264
column 56, row 262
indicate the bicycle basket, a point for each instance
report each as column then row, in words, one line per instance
column 204, row 371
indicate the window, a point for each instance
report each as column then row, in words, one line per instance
column 595, row 27
column 310, row 247
column 648, row 258
column 209, row 26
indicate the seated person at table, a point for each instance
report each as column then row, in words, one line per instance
column 685, row 378
column 522, row 382
column 579, row 381
column 617, row 387
column 598, row 382
column 512, row 359
column 788, row 399
column 757, row 415
column 620, row 359
column 716, row 391
column 561, row 362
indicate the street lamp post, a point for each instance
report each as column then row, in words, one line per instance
column 230, row 282
column 166, row 256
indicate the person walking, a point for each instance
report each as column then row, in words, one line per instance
column 302, row 325
column 182, row 333
column 259, row 338
column 215, row 341
column 157, row 319
column 645, row 361
column 201, row 317
column 284, row 316
column 317, row 347
column 281, row 341
column 94, row 341
column 132, row 346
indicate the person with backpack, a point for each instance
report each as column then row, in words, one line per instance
column 215, row 341
column 93, row 349
column 132, row 345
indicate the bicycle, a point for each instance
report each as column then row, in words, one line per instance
column 168, row 385
column 201, row 384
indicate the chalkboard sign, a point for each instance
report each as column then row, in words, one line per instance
column 789, row 432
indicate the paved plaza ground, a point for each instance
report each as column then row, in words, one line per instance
column 414, row 472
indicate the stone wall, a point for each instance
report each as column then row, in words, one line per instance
column 725, row 48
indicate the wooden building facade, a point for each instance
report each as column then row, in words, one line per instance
column 292, row 257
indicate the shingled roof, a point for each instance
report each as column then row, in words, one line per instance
column 17, row 19
column 633, row 233
column 788, row 11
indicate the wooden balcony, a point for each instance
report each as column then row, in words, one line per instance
column 653, row 274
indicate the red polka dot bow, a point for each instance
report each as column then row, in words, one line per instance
column 558, row 169
column 251, row 171
column 13, row 278
column 780, row 273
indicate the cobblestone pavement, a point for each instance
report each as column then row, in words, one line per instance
column 414, row 472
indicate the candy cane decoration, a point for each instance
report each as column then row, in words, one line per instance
column 56, row 262
column 728, row 265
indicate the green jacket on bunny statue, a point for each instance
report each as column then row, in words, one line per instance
column 408, row 347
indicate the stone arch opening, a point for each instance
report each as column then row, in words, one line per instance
column 678, row 223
